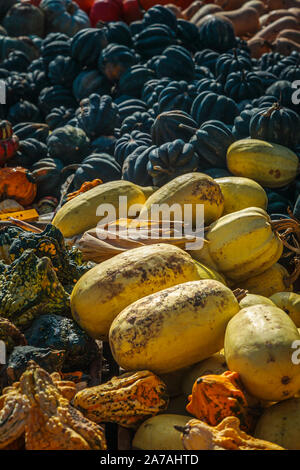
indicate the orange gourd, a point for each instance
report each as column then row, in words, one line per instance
column 214, row 397
column 18, row 184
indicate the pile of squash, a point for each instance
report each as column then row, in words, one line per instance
column 195, row 106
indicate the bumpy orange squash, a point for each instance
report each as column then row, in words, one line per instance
column 214, row 397
column 127, row 400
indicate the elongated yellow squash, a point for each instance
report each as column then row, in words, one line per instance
column 104, row 291
column 240, row 193
column 80, row 213
column 274, row 279
column 271, row 165
column 191, row 188
column 242, row 244
column 258, row 345
column 173, row 328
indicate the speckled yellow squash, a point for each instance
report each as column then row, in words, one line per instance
column 241, row 244
column 271, row 165
column 240, row 193
column 80, row 213
column 275, row 279
column 104, row 291
column 258, row 345
column 191, row 188
column 173, row 328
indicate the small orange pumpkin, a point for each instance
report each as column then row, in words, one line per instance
column 214, row 397
column 18, row 184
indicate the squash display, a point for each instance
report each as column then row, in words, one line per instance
column 124, row 279
column 144, row 336
column 269, row 164
column 258, row 345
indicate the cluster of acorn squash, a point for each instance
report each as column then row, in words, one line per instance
column 179, row 108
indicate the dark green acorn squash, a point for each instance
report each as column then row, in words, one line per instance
column 31, row 130
column 86, row 46
column 98, row 116
column 139, row 121
column 26, row 19
column 29, row 152
column 132, row 80
column 211, row 142
column 276, row 124
column 206, row 58
column 24, row 111
column 102, row 166
column 217, row 33
column 177, row 95
column 241, row 123
column 176, row 62
column 51, row 49
column 283, row 91
column 59, row 117
column 188, row 35
column 63, row 71
column 166, row 127
column 104, row 144
column 170, row 160
column 64, row 16
column 135, row 167
column 88, row 82
column 268, row 59
column 50, row 178
column 158, row 14
column 54, row 96
column 5, row 5
column 128, row 143
column 130, row 106
column 242, row 85
column 291, row 73
column 69, row 144
column 231, row 62
column 208, row 106
column 117, row 32
column 153, row 88
column 115, row 59
column 16, row 61
column 209, row 84
column 153, row 40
